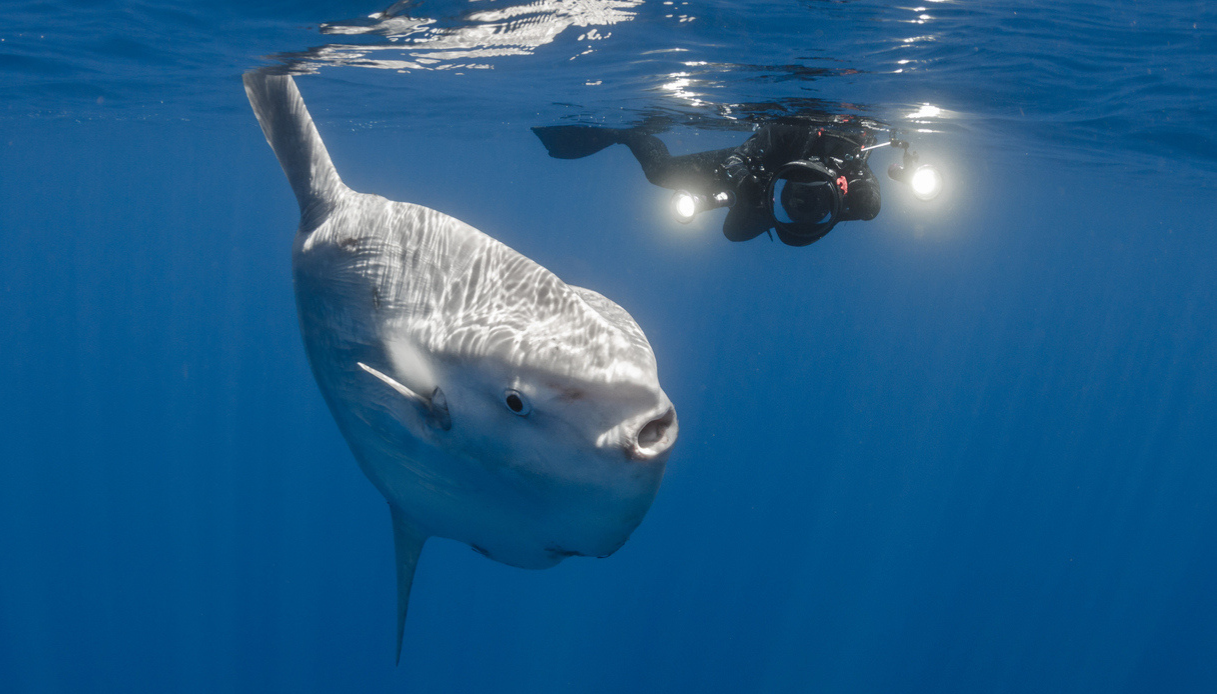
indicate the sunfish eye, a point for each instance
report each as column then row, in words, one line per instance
column 516, row 402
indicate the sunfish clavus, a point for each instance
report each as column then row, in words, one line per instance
column 488, row 401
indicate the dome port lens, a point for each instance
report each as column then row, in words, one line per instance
column 804, row 199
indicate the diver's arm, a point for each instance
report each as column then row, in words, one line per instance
column 741, row 169
column 746, row 222
column 737, row 175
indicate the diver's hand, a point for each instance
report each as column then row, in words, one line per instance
column 751, row 191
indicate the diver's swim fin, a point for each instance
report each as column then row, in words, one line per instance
column 576, row 141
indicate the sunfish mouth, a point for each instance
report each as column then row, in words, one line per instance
column 654, row 438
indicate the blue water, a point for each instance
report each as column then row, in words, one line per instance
column 965, row 447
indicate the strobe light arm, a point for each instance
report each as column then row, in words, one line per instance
column 686, row 205
column 925, row 180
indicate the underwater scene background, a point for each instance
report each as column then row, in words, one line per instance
column 966, row 446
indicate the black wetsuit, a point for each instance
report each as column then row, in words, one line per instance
column 737, row 169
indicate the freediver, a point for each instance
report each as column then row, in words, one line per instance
column 798, row 180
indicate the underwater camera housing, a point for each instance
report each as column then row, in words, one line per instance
column 805, row 199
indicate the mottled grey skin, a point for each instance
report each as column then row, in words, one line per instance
column 419, row 327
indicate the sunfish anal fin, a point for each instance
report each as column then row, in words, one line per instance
column 408, row 544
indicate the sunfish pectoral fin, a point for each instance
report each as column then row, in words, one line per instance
column 406, row 392
column 407, row 544
column 434, row 408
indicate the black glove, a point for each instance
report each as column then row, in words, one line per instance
column 749, row 188
column 751, row 191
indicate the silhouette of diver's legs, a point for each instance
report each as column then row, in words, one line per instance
column 696, row 172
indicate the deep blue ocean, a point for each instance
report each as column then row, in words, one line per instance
column 968, row 446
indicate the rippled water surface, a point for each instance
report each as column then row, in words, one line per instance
column 967, row 446
column 1102, row 79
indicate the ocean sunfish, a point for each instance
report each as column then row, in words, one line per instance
column 488, row 401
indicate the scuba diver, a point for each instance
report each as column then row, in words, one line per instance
column 797, row 180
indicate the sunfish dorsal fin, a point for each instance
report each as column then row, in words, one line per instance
column 294, row 138
column 407, row 544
